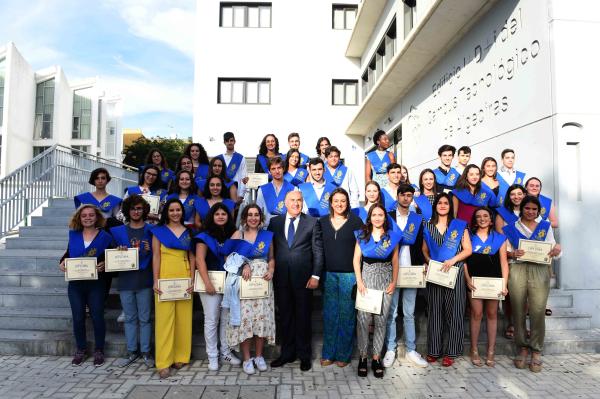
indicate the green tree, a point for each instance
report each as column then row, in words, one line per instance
column 136, row 153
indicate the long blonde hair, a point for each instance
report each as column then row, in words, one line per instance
column 75, row 223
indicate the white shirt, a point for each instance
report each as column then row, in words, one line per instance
column 319, row 188
column 351, row 186
column 404, row 251
column 288, row 220
column 509, row 175
column 240, row 173
column 260, row 201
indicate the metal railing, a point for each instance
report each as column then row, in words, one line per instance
column 58, row 172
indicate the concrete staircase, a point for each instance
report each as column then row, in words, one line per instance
column 35, row 317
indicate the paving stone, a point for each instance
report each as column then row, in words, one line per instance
column 257, row 392
column 224, row 392
column 185, row 392
column 147, row 392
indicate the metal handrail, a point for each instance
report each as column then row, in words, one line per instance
column 57, row 172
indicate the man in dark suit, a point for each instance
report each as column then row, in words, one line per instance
column 298, row 264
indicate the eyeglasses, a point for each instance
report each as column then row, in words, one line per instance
column 138, row 209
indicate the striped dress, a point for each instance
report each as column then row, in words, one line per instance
column 446, row 310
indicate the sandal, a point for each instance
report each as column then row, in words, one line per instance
column 548, row 312
column 326, row 362
column 447, row 361
column 377, row 368
column 509, row 333
column 363, row 370
column 164, row 373
column 431, row 359
column 536, row 363
column 475, row 359
column 490, row 362
column 178, row 365
column 341, row 364
column 520, row 361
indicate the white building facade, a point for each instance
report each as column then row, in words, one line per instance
column 493, row 75
column 41, row 108
column 275, row 67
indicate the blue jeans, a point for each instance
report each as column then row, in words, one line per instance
column 137, row 306
column 409, row 297
column 92, row 294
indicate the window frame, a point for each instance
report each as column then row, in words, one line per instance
column 345, row 84
column 259, row 82
column 344, row 8
column 246, row 6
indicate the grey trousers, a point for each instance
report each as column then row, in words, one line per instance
column 375, row 276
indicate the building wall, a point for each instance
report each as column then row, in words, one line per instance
column 301, row 54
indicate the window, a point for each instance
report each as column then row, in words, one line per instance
column 244, row 91
column 2, row 76
column 111, row 139
column 83, row 148
column 245, row 15
column 409, row 16
column 82, row 117
column 380, row 60
column 344, row 92
column 38, row 150
column 44, row 110
column 343, row 16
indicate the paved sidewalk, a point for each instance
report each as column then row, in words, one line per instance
column 564, row 376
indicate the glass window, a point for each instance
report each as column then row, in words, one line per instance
column 82, row 116
column 343, row 16
column 225, row 91
column 344, row 92
column 239, row 17
column 2, row 77
column 265, row 16
column 252, row 93
column 237, row 92
column 245, row 15
column 227, row 17
column 111, row 139
column 253, row 17
column 409, row 19
column 244, row 91
column 264, row 92
column 44, row 110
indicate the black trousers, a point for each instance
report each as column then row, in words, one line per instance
column 294, row 305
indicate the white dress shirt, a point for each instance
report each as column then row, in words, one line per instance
column 288, row 220
column 350, row 185
column 240, row 173
column 404, row 251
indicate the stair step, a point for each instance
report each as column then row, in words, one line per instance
column 44, row 232
column 36, row 243
column 62, row 203
column 58, row 221
column 30, row 261
column 58, row 211
column 34, row 297
column 33, row 279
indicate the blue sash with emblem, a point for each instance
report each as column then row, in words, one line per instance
column 169, row 240
column 451, row 242
column 508, row 215
column 276, row 203
column 485, row 197
column 379, row 165
column 121, row 238
column 361, row 212
column 203, row 170
column 106, row 205
column 389, row 201
column 546, row 205
column 411, row 230
column 214, row 246
column 264, row 162
column 99, row 244
column 202, row 207
column 381, row 249
column 303, row 160
column 257, row 250
column 514, row 235
column 499, row 199
column 424, row 206
column 189, row 206
column 298, row 178
column 317, row 207
column 491, row 245
column 449, row 179
column 519, row 178
column 338, row 175
column 234, row 165
column 166, row 175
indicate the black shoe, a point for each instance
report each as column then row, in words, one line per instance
column 279, row 362
column 363, row 369
column 377, row 368
column 305, row 365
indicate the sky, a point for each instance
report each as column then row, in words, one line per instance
column 142, row 50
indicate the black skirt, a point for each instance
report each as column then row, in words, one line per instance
column 482, row 265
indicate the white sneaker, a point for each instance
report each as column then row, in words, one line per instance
column 249, row 367
column 415, row 358
column 121, row 318
column 261, row 365
column 213, row 363
column 389, row 358
column 230, row 358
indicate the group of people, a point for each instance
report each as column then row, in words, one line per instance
column 307, row 230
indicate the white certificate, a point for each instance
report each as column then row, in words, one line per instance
column 411, row 277
column 255, row 180
column 371, row 302
column 174, row 289
column 217, row 279
column 535, row 251
column 255, row 288
column 81, row 269
column 487, row 288
column 435, row 274
column 117, row 260
column 153, row 201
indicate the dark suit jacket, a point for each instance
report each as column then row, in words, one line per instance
column 416, row 250
column 295, row 265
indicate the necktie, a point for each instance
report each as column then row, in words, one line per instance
column 291, row 232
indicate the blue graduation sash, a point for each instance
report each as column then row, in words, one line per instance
column 189, row 206
column 202, row 207
column 447, row 180
column 317, row 207
column 337, row 177
column 546, row 205
column 452, row 238
column 203, row 170
column 303, row 160
column 106, row 205
column 381, row 249
column 519, row 178
column 259, row 249
column 411, row 230
column 120, row 236
column 379, row 165
column 389, row 201
column 96, row 249
column 508, row 215
column 169, row 240
column 234, row 164
column 276, row 203
column 484, row 197
column 361, row 212
column 513, row 234
column 263, row 161
column 166, row 175
column 214, row 246
column 424, row 206
column 490, row 246
column 499, row 199
column 298, row 178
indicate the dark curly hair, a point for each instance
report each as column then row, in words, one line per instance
column 157, row 183
column 224, row 190
column 262, row 150
column 203, row 158
column 164, row 214
column 220, row 233
column 318, row 146
column 96, row 172
column 163, row 162
column 435, row 216
column 130, row 202
column 174, row 186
